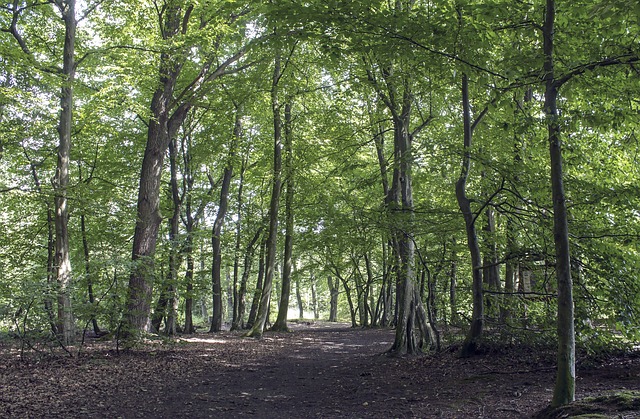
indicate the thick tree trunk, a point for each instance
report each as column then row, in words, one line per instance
column 162, row 127
column 262, row 317
column 405, row 339
column 477, row 321
column 216, row 278
column 564, row 391
column 167, row 116
column 65, row 326
column 283, row 309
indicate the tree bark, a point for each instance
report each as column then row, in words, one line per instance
column 404, row 340
column 51, row 247
column 477, row 321
column 453, row 279
column 167, row 116
column 174, row 245
column 564, row 390
column 334, row 290
column 283, row 309
column 262, row 317
column 87, row 272
column 65, row 326
column 257, row 295
column 236, row 319
column 236, row 324
column 216, row 278
column 162, row 127
column 299, row 298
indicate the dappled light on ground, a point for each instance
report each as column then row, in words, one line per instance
column 319, row 370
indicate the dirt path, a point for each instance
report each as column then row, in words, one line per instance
column 324, row 371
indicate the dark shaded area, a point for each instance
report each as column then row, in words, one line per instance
column 319, row 370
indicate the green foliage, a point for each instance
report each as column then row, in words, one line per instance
column 343, row 59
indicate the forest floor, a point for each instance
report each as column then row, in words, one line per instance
column 319, row 370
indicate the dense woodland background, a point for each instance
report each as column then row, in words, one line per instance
column 435, row 166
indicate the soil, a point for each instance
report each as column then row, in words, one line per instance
column 319, row 370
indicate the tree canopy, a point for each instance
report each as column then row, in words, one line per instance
column 414, row 164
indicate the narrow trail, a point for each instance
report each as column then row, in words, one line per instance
column 318, row 372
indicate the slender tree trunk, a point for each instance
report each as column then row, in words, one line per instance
column 453, row 279
column 174, row 245
column 299, row 298
column 188, row 278
column 352, row 308
column 334, row 290
column 51, row 248
column 283, row 310
column 262, row 317
column 65, row 326
column 236, row 319
column 87, row 272
column 257, row 295
column 477, row 321
column 248, row 258
column 314, row 298
column 491, row 272
column 564, row 391
column 216, row 323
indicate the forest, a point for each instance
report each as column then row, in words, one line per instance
column 459, row 174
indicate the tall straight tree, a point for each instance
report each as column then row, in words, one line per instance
column 61, row 180
column 270, row 263
column 216, row 279
column 564, row 390
column 62, row 258
column 283, row 309
column 477, row 320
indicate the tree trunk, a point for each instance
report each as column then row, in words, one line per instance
column 257, row 295
column 281, row 321
column 87, row 272
column 564, row 390
column 261, row 319
column 299, row 298
column 174, row 245
column 314, row 298
column 188, row 298
column 61, row 180
column 352, row 308
column 491, row 272
column 334, row 290
column 404, row 339
column 453, row 274
column 162, row 127
column 236, row 324
column 216, row 279
column 236, row 319
column 477, row 321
